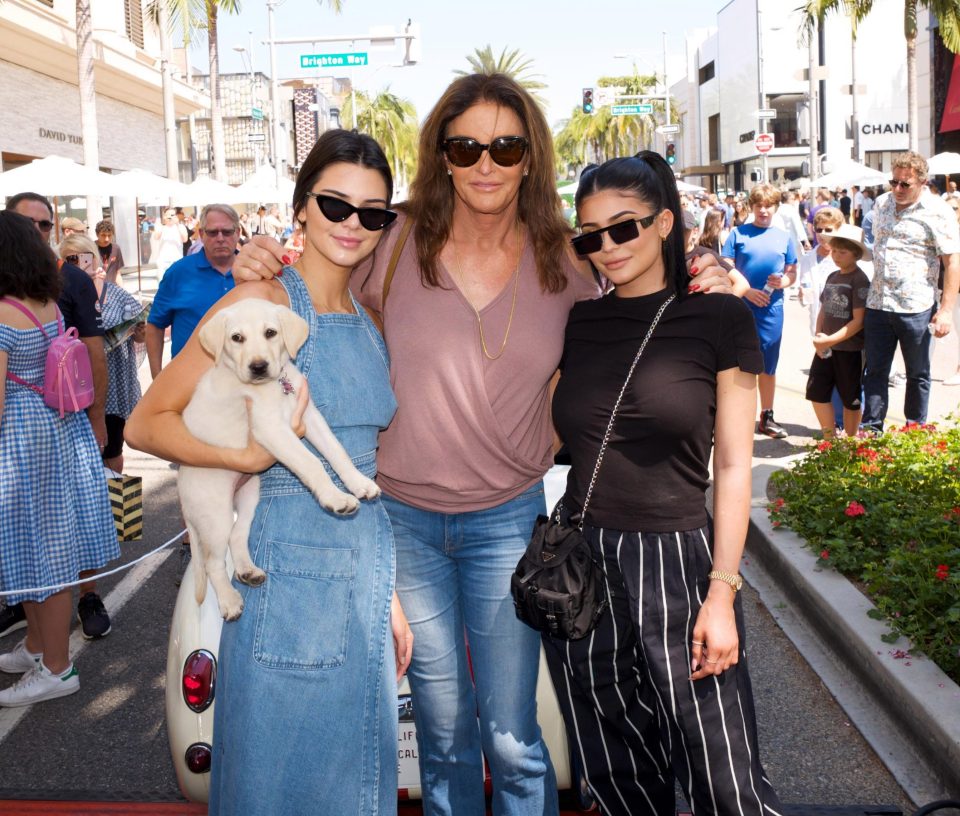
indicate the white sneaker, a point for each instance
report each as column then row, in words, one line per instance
column 41, row 684
column 19, row 660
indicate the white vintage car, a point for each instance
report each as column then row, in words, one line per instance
column 192, row 686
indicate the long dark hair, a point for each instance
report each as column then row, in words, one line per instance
column 28, row 267
column 712, row 224
column 333, row 147
column 648, row 177
column 538, row 205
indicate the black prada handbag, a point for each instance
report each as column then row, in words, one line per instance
column 557, row 587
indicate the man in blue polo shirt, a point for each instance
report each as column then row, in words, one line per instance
column 192, row 285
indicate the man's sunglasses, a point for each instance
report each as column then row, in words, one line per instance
column 589, row 242
column 226, row 233
column 904, row 185
column 507, row 151
column 43, row 224
column 336, row 209
column 823, row 229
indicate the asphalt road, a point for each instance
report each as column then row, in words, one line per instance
column 109, row 742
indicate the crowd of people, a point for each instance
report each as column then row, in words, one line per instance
column 454, row 342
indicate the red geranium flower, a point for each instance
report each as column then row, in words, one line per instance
column 867, row 453
column 855, row 509
column 943, row 572
column 824, row 446
column 824, row 554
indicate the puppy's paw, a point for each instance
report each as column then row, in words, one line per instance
column 362, row 487
column 336, row 501
column 231, row 604
column 251, row 575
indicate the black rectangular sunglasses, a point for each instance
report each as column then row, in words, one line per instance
column 589, row 242
column 336, row 209
column 462, row 151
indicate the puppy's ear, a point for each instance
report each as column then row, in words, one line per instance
column 212, row 335
column 293, row 328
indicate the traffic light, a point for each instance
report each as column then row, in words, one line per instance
column 671, row 153
column 588, row 100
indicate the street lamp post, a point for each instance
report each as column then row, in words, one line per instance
column 763, row 97
column 248, row 60
column 274, row 94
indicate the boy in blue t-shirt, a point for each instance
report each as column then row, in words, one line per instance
column 767, row 256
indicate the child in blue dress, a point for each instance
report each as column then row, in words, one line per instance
column 306, row 718
column 767, row 256
column 53, row 495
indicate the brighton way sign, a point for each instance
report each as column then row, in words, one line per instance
column 349, row 60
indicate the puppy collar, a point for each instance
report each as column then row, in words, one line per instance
column 285, row 385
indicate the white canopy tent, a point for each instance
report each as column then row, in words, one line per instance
column 56, row 176
column 261, row 188
column 849, row 173
column 943, row 164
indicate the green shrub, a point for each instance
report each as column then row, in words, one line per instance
column 885, row 511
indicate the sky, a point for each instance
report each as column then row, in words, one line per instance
column 571, row 44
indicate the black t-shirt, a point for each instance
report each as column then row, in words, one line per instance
column 78, row 302
column 654, row 472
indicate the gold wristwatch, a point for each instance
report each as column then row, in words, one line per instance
column 735, row 581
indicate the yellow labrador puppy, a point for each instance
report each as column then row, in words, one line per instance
column 253, row 343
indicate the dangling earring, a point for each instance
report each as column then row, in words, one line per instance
column 449, row 172
column 526, row 173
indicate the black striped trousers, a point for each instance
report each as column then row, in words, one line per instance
column 631, row 712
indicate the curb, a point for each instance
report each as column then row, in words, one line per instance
column 922, row 703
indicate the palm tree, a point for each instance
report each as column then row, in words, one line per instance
column 946, row 12
column 392, row 121
column 512, row 63
column 88, row 99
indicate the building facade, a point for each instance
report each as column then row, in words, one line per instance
column 39, row 75
column 755, row 60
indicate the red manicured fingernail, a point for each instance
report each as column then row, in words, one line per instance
column 693, row 287
column 694, row 270
column 286, row 260
column 279, row 273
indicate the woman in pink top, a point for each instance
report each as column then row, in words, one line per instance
column 474, row 325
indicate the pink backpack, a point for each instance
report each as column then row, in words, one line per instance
column 67, row 376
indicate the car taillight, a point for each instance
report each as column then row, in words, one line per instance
column 197, row 757
column 199, row 680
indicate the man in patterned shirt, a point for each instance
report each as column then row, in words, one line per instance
column 913, row 230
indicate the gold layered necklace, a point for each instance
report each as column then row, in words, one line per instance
column 513, row 305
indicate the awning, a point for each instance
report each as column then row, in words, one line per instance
column 716, row 169
column 951, row 108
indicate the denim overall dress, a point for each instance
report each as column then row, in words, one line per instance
column 306, row 716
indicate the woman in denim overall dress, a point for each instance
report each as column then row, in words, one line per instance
column 306, row 695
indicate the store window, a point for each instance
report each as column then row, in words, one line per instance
column 133, row 19
column 713, row 138
column 707, row 72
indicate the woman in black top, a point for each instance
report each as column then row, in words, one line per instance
column 660, row 688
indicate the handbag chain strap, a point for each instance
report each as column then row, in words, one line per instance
column 616, row 407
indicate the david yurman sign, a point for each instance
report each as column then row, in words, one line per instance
column 60, row 136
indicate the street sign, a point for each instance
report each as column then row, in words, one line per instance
column 763, row 143
column 256, row 113
column 256, row 137
column 630, row 110
column 351, row 60
column 767, row 113
column 665, row 129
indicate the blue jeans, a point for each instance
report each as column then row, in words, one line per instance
column 882, row 331
column 453, row 579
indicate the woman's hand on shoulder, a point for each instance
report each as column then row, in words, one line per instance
column 708, row 275
column 261, row 258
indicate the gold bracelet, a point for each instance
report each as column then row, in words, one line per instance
column 733, row 580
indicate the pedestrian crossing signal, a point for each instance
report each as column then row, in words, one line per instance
column 588, row 100
column 671, row 153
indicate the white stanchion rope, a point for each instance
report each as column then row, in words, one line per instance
column 121, row 568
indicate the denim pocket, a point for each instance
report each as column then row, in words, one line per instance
column 304, row 612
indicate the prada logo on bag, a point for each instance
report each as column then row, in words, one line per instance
column 548, row 556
